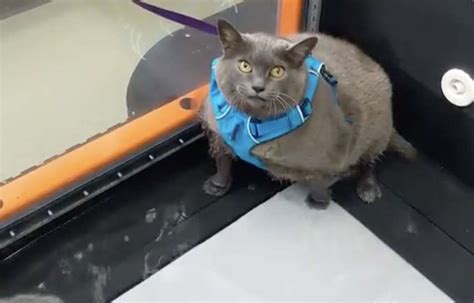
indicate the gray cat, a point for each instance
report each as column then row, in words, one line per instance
column 264, row 76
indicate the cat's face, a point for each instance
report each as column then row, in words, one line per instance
column 261, row 75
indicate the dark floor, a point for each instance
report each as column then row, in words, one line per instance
column 141, row 225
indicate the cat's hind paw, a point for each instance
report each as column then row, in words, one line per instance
column 369, row 192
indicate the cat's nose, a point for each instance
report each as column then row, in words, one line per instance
column 258, row 89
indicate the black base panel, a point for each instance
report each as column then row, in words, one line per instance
column 430, row 190
column 414, row 219
column 154, row 217
column 133, row 230
column 417, row 42
column 71, row 200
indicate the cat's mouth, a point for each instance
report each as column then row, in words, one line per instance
column 256, row 99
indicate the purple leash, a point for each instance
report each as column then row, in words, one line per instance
column 178, row 18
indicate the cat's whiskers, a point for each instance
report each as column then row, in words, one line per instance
column 288, row 106
column 288, row 97
column 274, row 103
column 285, row 101
column 240, row 96
column 280, row 103
column 277, row 102
column 234, row 98
column 290, row 103
column 285, row 105
column 275, row 108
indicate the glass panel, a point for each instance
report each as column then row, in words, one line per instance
column 72, row 69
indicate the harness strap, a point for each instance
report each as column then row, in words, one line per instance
column 178, row 18
column 291, row 119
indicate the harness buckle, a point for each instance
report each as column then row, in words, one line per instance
column 328, row 76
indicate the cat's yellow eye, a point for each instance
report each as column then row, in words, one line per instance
column 277, row 72
column 245, row 67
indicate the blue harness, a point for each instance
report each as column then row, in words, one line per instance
column 242, row 132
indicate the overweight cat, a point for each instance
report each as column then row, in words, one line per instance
column 329, row 103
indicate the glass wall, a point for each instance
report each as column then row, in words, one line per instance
column 72, row 69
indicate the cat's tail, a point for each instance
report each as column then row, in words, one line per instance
column 402, row 147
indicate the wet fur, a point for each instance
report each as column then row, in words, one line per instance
column 326, row 148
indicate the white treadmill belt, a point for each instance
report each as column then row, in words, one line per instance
column 285, row 251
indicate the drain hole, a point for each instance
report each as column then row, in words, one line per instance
column 186, row 103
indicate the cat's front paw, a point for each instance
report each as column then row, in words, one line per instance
column 319, row 199
column 369, row 192
column 216, row 186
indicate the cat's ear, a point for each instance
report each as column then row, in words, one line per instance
column 298, row 52
column 229, row 36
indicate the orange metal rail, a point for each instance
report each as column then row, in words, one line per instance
column 46, row 180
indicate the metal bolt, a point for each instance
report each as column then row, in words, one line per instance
column 50, row 213
column 12, row 233
column 181, row 141
column 119, row 174
column 85, row 193
column 151, row 157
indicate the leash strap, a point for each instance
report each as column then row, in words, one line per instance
column 178, row 18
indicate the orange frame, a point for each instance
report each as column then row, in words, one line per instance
column 47, row 180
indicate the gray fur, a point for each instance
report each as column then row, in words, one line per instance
column 32, row 299
column 326, row 148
